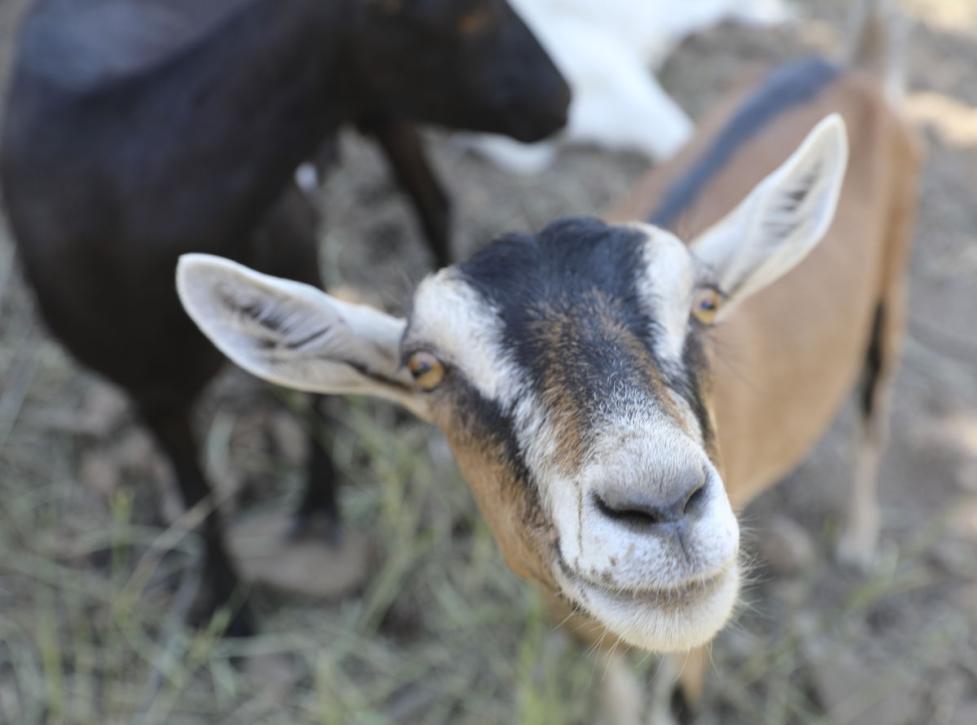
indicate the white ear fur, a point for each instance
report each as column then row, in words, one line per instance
column 293, row 334
column 782, row 219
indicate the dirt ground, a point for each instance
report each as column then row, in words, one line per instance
column 93, row 584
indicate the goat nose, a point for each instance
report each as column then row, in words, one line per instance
column 651, row 510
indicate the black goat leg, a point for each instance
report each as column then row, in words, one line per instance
column 220, row 584
column 317, row 515
column 287, row 245
column 404, row 149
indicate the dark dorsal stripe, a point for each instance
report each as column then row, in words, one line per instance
column 785, row 88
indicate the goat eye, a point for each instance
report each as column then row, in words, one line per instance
column 705, row 305
column 427, row 370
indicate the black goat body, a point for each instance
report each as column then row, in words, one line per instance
column 137, row 130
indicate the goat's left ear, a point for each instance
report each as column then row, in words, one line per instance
column 781, row 220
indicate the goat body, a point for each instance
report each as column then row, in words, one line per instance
column 613, row 393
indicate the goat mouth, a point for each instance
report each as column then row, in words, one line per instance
column 675, row 597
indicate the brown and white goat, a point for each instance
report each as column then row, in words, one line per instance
column 613, row 394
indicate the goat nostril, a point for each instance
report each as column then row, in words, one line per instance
column 633, row 514
column 696, row 496
column 644, row 510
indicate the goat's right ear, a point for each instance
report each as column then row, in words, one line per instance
column 295, row 335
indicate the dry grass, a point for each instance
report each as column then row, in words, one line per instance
column 93, row 601
column 93, row 587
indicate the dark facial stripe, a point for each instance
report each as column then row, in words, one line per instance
column 560, row 266
column 574, row 320
column 785, row 89
column 690, row 382
column 588, row 366
column 553, row 289
column 485, row 420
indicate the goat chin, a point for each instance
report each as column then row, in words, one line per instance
column 661, row 622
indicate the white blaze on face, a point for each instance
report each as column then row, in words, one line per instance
column 666, row 289
column 453, row 320
column 449, row 316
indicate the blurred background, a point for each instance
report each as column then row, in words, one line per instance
column 441, row 630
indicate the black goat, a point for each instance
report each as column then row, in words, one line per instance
column 138, row 130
